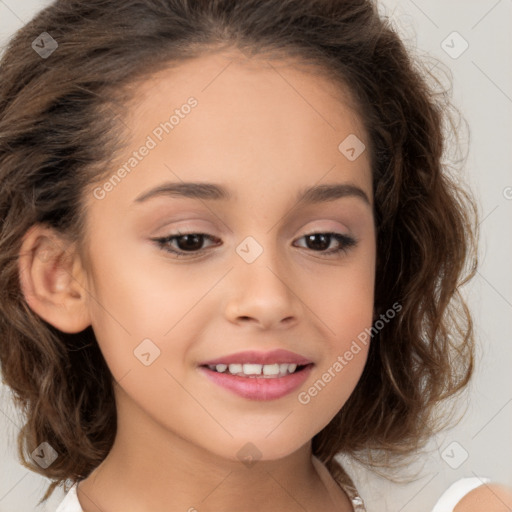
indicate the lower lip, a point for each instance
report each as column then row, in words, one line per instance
column 259, row 388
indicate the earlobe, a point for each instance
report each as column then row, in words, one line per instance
column 52, row 279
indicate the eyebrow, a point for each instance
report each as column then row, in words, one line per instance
column 213, row 191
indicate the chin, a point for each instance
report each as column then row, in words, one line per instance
column 250, row 449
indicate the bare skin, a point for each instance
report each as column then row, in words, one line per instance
column 488, row 497
column 265, row 132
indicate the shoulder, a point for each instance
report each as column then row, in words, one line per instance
column 488, row 497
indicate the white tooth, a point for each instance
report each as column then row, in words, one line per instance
column 221, row 367
column 283, row 368
column 252, row 369
column 235, row 368
column 271, row 369
column 292, row 367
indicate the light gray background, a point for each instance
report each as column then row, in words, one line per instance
column 482, row 89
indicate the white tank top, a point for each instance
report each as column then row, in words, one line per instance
column 446, row 503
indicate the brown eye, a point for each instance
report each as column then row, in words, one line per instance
column 192, row 242
column 186, row 243
column 319, row 242
column 189, row 244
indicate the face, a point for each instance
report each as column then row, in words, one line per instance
column 186, row 287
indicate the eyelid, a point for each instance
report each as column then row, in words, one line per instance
column 196, row 226
column 207, row 228
column 188, row 226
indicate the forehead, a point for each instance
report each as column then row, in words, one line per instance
column 290, row 87
column 262, row 125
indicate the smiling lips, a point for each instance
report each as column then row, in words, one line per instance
column 259, row 375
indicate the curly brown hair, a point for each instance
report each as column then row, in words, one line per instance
column 61, row 126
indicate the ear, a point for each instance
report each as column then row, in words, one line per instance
column 53, row 280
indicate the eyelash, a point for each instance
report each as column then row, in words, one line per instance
column 346, row 243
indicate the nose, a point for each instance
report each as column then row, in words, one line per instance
column 263, row 292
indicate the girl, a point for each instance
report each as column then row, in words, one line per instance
column 316, row 312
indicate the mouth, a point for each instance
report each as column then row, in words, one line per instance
column 259, row 375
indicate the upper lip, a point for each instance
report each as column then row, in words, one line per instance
column 254, row 357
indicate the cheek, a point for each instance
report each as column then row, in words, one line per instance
column 137, row 297
column 344, row 301
column 139, row 321
column 348, row 321
column 346, row 313
column 127, row 307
